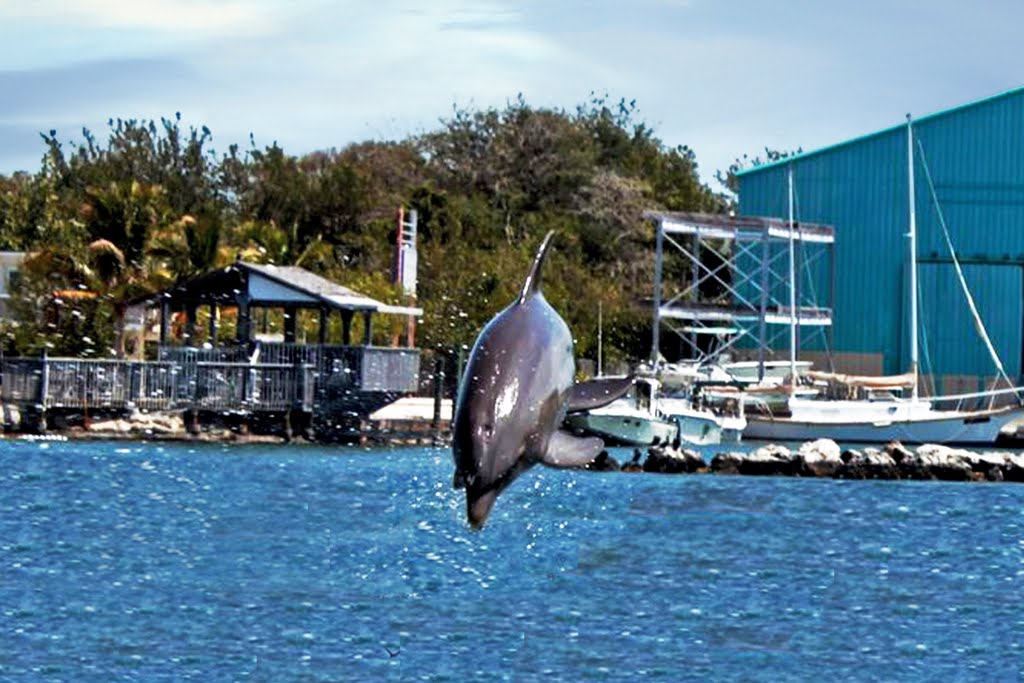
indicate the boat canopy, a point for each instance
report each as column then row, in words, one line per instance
column 866, row 381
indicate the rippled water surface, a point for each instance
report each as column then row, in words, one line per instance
column 176, row 562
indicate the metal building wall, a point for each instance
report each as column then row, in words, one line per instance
column 976, row 157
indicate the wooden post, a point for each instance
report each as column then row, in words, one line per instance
column 324, row 320
column 243, row 330
column 190, row 324
column 44, row 390
column 44, row 380
column 134, row 385
column 165, row 321
column 459, row 366
column 213, row 324
column 291, row 313
column 367, row 328
column 346, row 326
column 410, row 328
column 438, row 393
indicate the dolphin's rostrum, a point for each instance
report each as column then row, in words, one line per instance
column 516, row 390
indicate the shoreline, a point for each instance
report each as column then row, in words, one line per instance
column 820, row 459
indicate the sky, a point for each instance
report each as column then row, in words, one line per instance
column 725, row 77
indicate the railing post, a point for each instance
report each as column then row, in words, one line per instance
column 44, row 381
column 44, row 390
column 299, row 397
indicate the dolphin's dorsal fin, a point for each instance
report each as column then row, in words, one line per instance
column 532, row 284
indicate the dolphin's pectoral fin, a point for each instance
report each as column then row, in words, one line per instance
column 597, row 392
column 566, row 450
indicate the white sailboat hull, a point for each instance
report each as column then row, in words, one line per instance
column 864, row 422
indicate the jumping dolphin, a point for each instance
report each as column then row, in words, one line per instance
column 517, row 388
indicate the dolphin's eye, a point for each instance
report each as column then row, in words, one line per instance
column 486, row 430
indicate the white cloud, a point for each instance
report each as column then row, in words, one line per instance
column 193, row 16
column 723, row 78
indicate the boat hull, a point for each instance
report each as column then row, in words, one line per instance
column 624, row 430
column 980, row 428
column 699, row 427
column 699, row 430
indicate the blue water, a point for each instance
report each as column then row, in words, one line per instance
column 148, row 562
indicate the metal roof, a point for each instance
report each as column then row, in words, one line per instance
column 270, row 285
column 720, row 226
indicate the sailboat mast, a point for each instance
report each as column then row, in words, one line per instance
column 792, row 282
column 912, row 236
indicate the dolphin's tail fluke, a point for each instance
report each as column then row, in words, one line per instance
column 532, row 284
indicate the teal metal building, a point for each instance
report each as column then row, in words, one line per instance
column 974, row 155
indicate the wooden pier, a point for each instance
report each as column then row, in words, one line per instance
column 327, row 389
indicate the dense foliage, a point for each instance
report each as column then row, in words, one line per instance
column 154, row 204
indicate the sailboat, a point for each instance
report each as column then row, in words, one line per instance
column 888, row 418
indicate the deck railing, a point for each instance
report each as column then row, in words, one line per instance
column 270, row 377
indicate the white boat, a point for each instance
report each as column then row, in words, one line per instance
column 880, row 421
column 698, row 426
column 733, row 427
column 913, row 420
column 633, row 420
column 645, row 417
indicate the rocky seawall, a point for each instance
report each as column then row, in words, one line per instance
column 824, row 458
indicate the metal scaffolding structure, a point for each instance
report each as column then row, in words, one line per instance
column 741, row 294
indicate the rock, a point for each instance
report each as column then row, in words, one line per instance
column 898, row 452
column 941, row 462
column 111, row 426
column 141, row 423
column 12, row 417
column 634, row 465
column 996, row 466
column 669, row 460
column 869, row 464
column 908, row 464
column 820, row 458
column 726, row 463
column 604, row 463
column 1013, row 467
column 770, row 460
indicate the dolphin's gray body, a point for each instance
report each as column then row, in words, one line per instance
column 516, row 390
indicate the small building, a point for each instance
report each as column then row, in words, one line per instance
column 248, row 288
column 326, row 387
column 969, row 175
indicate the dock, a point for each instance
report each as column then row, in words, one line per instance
column 316, row 390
